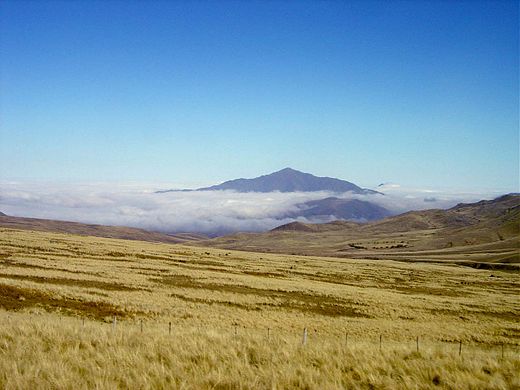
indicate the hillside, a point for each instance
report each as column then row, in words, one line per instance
column 486, row 231
column 98, row 313
column 314, row 227
column 127, row 233
column 346, row 209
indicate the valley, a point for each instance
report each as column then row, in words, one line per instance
column 478, row 234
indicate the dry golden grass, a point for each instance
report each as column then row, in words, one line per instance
column 49, row 351
column 221, row 305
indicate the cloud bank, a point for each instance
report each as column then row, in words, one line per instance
column 209, row 212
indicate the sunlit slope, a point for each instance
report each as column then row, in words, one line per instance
column 487, row 231
column 89, row 312
column 83, row 229
column 98, row 277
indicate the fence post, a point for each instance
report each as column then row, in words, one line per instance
column 170, row 328
column 380, row 341
column 268, row 333
column 417, row 343
column 141, row 326
column 502, row 349
column 460, row 347
column 346, row 339
column 114, row 323
column 304, row 340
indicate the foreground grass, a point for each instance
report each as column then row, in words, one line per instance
column 50, row 351
column 237, row 319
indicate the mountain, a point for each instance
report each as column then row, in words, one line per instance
column 349, row 209
column 291, row 180
column 2, row 214
column 477, row 234
column 127, row 233
column 287, row 180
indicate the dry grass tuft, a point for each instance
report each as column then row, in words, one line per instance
column 56, row 352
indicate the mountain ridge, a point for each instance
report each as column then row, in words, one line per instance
column 286, row 180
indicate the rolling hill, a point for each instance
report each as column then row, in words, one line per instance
column 128, row 233
column 486, row 231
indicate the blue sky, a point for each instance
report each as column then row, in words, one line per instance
column 423, row 93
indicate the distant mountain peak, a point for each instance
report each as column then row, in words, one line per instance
column 288, row 170
column 289, row 180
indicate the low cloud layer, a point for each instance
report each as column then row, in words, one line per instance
column 210, row 212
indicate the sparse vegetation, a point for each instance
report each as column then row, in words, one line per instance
column 59, row 294
column 487, row 232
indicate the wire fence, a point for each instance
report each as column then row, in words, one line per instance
column 304, row 337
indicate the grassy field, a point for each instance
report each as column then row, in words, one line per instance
column 237, row 319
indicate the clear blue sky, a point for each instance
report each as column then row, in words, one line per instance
column 422, row 93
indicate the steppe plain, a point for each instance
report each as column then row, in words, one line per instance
column 90, row 312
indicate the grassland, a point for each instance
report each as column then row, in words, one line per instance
column 237, row 319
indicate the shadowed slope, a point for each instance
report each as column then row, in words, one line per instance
column 349, row 209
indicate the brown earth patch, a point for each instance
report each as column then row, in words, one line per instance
column 214, row 302
column 296, row 300
column 206, row 262
column 34, row 266
column 265, row 274
column 72, row 282
column 17, row 298
column 511, row 332
column 504, row 265
column 150, row 257
column 430, row 291
column 503, row 315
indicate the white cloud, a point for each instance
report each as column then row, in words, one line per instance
column 212, row 212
